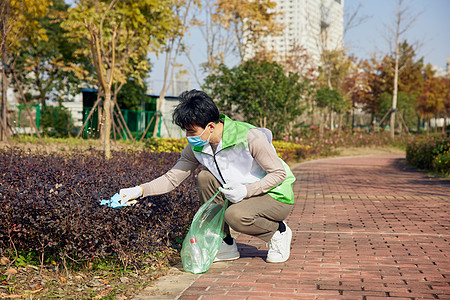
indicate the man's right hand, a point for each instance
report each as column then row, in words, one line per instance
column 130, row 194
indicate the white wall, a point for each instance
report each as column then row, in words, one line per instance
column 168, row 128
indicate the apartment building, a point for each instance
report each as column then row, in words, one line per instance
column 313, row 24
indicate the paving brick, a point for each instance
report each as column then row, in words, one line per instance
column 362, row 227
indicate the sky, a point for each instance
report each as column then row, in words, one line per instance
column 431, row 31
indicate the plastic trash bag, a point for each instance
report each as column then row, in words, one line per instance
column 202, row 242
column 116, row 202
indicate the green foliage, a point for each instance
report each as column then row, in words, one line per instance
column 442, row 163
column 56, row 121
column 22, row 17
column 429, row 154
column 410, row 71
column 26, row 258
column 405, row 106
column 326, row 97
column 50, row 60
column 377, row 85
column 261, row 92
column 118, row 37
column 131, row 95
column 249, row 21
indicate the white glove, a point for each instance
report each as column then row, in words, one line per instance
column 130, row 194
column 234, row 192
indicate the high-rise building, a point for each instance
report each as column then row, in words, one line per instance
column 312, row 24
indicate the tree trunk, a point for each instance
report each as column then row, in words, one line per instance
column 445, row 123
column 419, row 120
column 4, row 135
column 322, row 122
column 394, row 94
column 101, row 122
column 107, row 125
column 24, row 99
column 332, row 120
column 435, row 123
column 339, row 124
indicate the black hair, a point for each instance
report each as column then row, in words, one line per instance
column 195, row 108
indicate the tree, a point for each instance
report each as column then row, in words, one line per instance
column 338, row 72
column 16, row 17
column 261, row 93
column 446, row 82
column 402, row 22
column 371, row 87
column 378, row 77
column 330, row 99
column 250, row 21
column 433, row 98
column 175, row 45
column 131, row 94
column 409, row 73
column 118, row 35
column 48, row 66
column 218, row 40
column 297, row 60
column 406, row 108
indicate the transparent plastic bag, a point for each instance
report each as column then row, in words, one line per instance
column 202, row 242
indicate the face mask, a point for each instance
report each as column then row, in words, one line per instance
column 197, row 141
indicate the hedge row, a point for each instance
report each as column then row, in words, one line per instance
column 50, row 204
column 430, row 154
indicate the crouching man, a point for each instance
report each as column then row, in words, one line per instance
column 240, row 159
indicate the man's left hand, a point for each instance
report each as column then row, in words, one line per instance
column 234, row 192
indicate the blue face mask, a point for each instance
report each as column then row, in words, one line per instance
column 197, row 141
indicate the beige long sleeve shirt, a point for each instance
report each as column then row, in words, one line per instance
column 259, row 148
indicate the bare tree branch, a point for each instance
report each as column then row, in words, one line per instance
column 354, row 18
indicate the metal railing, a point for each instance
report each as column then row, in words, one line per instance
column 60, row 121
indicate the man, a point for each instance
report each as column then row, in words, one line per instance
column 240, row 161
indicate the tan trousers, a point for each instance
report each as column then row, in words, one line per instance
column 257, row 216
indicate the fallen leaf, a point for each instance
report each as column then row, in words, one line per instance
column 4, row 261
column 35, row 291
column 4, row 296
column 11, row 271
column 32, row 267
column 63, row 279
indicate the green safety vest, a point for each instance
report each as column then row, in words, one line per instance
column 233, row 163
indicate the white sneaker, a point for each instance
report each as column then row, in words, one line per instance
column 280, row 246
column 227, row 252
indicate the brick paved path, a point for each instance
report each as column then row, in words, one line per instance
column 363, row 228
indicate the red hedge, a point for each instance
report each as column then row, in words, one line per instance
column 50, row 204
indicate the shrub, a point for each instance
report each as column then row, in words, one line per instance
column 291, row 151
column 442, row 163
column 166, row 144
column 56, row 121
column 50, row 204
column 287, row 151
column 429, row 154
